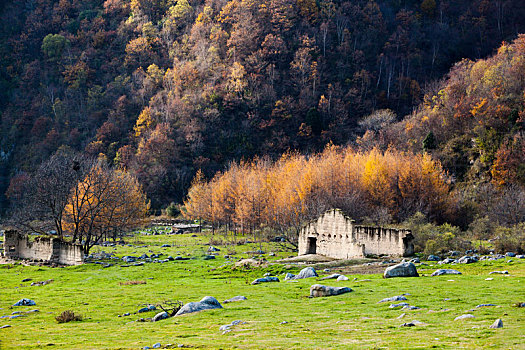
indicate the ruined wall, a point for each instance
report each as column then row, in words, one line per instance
column 379, row 240
column 18, row 246
column 335, row 235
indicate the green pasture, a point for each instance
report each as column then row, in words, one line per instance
column 276, row 315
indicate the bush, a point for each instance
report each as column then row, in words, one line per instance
column 510, row 239
column 173, row 210
column 68, row 316
column 433, row 239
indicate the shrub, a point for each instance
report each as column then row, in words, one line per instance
column 173, row 210
column 511, row 239
column 68, row 316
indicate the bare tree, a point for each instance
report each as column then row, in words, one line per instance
column 40, row 207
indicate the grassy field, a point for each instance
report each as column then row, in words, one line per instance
column 276, row 315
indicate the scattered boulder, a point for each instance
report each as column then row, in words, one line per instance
column 411, row 324
column 206, row 303
column 213, row 249
column 497, row 324
column 156, row 346
column 5, row 326
column 307, row 272
column 405, row 269
column 27, row 279
column 237, row 298
column 395, row 306
column 147, row 308
column 464, row 317
column 342, row 278
column 445, row 272
column 209, row 257
column 409, row 307
column 415, row 260
column 391, row 299
column 485, row 305
column 25, row 302
column 433, row 258
column 129, row 259
column 448, row 261
column 265, row 280
column 332, row 276
column 318, row 290
column 160, row 316
column 165, row 246
column 468, row 259
column 499, row 272
column 510, row 254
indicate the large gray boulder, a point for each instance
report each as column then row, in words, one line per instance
column 206, row 303
column 318, row 290
column 404, row 269
column 445, row 272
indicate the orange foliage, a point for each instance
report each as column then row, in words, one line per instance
column 284, row 194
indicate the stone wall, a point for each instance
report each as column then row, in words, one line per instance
column 50, row 249
column 335, row 235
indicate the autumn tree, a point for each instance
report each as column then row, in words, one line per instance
column 105, row 204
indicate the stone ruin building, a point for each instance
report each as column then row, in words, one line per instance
column 42, row 248
column 335, row 235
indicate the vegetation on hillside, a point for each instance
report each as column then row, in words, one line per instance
column 164, row 88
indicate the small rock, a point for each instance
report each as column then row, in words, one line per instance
column 237, row 322
column 499, row 272
column 433, row 258
column 225, row 327
column 267, row 274
column 213, row 249
column 489, row 279
column 156, row 346
column 409, row 307
column 394, row 306
column 467, row 259
column 265, row 280
column 406, row 269
column 342, row 278
column 160, row 316
column 209, row 257
column 271, row 254
column 445, row 272
column 27, row 279
column 464, row 317
column 447, row 261
column 497, row 324
column 165, row 246
column 391, row 299
column 284, row 322
column 510, row 254
column 25, row 302
column 332, row 276
column 400, row 316
column 318, row 290
column 5, row 326
column 307, row 272
column 485, row 305
column 237, row 298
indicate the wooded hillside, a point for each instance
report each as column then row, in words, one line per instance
column 164, row 88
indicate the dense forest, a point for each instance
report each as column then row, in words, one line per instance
column 163, row 88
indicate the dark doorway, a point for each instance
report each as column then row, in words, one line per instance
column 311, row 247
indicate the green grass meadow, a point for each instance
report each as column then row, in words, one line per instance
column 350, row 321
